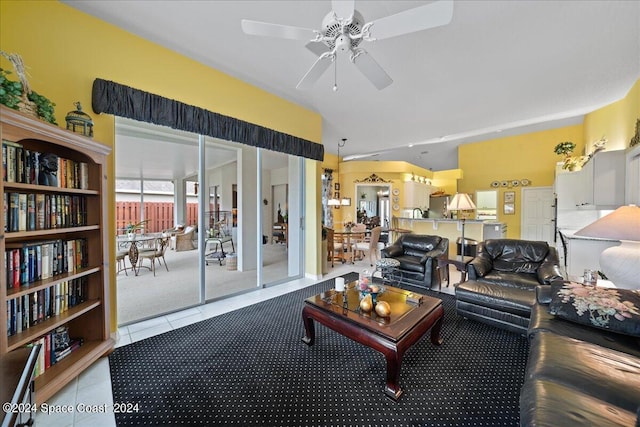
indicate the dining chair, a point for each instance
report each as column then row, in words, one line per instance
column 356, row 239
column 155, row 253
column 370, row 244
column 335, row 246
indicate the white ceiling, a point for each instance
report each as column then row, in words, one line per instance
column 499, row 66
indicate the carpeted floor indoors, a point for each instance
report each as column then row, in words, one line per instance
column 250, row 368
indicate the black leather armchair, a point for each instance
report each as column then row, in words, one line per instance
column 513, row 263
column 418, row 255
column 502, row 282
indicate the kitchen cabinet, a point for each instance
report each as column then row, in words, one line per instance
column 599, row 184
column 416, row 195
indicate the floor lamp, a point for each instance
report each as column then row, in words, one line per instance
column 461, row 202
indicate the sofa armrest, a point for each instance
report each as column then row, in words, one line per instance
column 437, row 252
column 549, row 270
column 392, row 251
column 432, row 254
column 479, row 266
column 543, row 294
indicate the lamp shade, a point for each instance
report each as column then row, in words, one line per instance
column 621, row 224
column 461, row 202
column 621, row 264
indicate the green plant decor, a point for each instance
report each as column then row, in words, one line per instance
column 11, row 96
column 564, row 148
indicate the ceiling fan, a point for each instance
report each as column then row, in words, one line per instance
column 343, row 29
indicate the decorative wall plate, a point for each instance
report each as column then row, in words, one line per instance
column 525, row 182
column 504, row 184
column 396, row 199
column 515, row 183
column 495, row 184
column 396, row 207
column 396, row 191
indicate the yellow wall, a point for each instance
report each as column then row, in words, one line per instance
column 528, row 156
column 616, row 122
column 65, row 50
column 531, row 155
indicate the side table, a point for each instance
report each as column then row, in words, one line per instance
column 388, row 268
column 460, row 262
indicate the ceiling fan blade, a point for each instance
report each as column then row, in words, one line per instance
column 371, row 69
column 343, row 9
column 318, row 48
column 257, row 28
column 316, row 70
column 420, row 18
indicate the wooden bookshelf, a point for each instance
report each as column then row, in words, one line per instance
column 89, row 319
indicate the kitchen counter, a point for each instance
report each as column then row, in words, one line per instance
column 452, row 229
column 584, row 252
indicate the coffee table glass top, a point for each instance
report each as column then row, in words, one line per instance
column 402, row 303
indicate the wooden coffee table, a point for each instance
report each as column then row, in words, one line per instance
column 392, row 336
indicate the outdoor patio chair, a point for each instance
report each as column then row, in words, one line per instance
column 155, row 253
column 121, row 262
column 183, row 241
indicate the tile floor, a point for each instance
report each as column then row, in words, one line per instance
column 93, row 387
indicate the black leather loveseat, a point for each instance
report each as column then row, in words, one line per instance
column 418, row 256
column 502, row 280
column 584, row 364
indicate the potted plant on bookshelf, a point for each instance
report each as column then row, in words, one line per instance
column 19, row 96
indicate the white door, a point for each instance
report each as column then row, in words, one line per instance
column 538, row 214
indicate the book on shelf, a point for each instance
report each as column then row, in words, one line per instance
column 26, row 166
column 40, row 211
column 30, row 262
column 26, row 311
column 50, row 354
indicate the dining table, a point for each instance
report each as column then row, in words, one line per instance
column 133, row 242
column 348, row 237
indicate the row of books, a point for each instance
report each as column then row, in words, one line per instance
column 50, row 355
column 26, row 166
column 35, row 261
column 28, row 310
column 39, row 211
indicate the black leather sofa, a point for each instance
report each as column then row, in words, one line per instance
column 502, row 280
column 418, row 256
column 578, row 374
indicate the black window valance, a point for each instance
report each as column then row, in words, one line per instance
column 123, row 101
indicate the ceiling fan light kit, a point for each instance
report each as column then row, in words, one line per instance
column 343, row 30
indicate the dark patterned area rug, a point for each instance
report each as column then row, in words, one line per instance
column 251, row 368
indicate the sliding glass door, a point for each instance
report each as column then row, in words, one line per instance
column 232, row 214
column 281, row 185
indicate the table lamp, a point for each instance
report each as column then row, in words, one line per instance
column 461, row 202
column 621, row 264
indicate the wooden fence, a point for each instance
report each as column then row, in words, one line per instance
column 159, row 214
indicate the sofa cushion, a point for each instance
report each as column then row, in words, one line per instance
column 606, row 374
column 544, row 403
column 613, row 309
column 525, row 281
column 543, row 321
column 510, row 300
column 411, row 263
